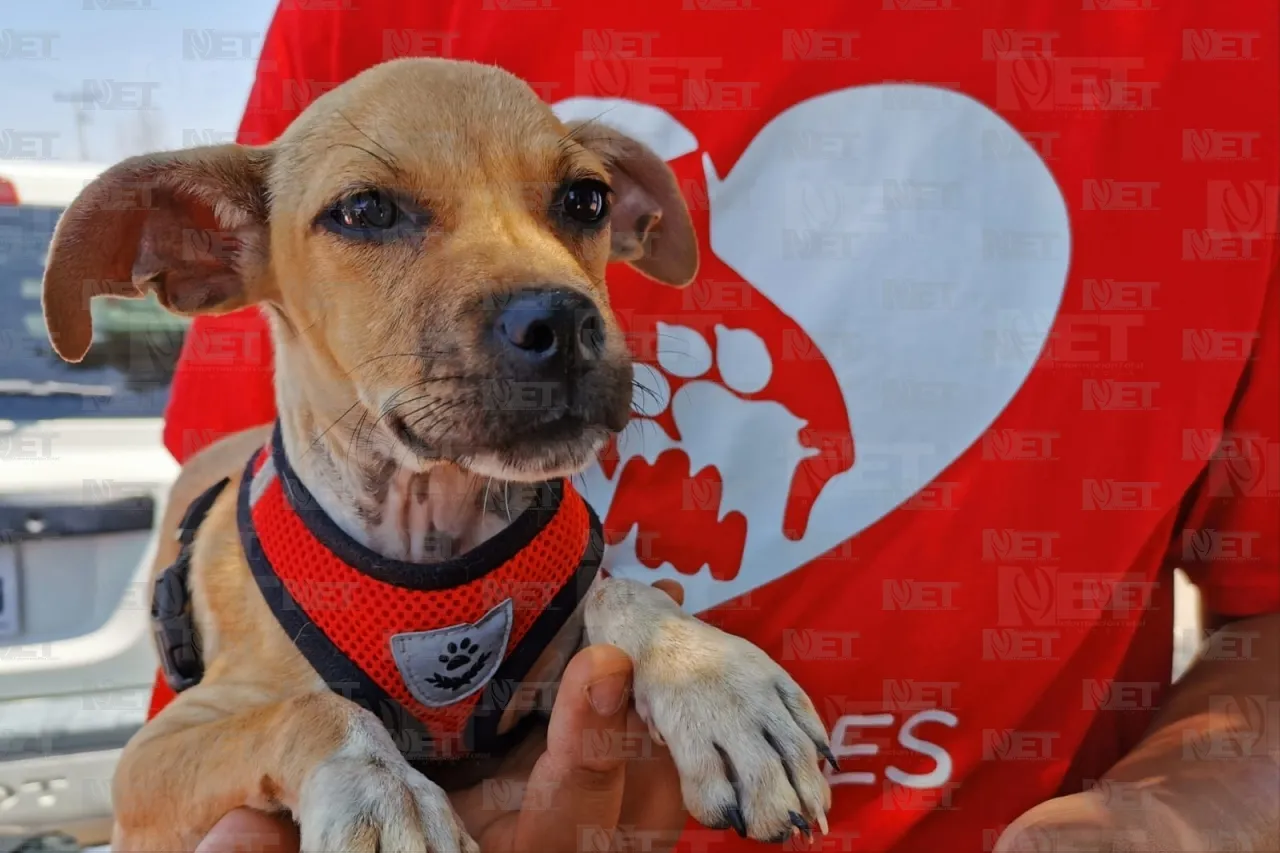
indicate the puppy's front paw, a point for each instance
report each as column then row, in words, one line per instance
column 744, row 736
column 366, row 798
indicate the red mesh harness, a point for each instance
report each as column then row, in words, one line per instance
column 436, row 651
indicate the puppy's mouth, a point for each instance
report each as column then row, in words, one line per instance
column 546, row 448
column 560, row 448
column 516, row 429
column 411, row 441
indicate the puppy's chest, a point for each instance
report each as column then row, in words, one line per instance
column 441, row 653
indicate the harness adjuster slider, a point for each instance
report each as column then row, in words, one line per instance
column 173, row 627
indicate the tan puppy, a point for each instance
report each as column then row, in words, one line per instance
column 390, row 235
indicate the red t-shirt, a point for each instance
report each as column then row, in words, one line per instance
column 972, row 361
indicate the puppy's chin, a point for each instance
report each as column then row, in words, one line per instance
column 562, row 451
column 536, row 462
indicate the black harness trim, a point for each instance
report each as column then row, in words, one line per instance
column 172, row 622
column 180, row 655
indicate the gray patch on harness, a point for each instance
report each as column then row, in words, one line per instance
column 447, row 665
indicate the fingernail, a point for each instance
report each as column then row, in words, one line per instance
column 608, row 694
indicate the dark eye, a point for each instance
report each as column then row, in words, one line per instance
column 586, row 202
column 363, row 213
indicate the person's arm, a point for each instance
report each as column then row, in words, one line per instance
column 1207, row 774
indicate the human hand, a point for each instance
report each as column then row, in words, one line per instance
column 249, row 831
column 1206, row 775
column 1095, row 821
column 595, row 782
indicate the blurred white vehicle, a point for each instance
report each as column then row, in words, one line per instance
column 83, row 475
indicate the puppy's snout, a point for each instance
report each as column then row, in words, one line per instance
column 546, row 326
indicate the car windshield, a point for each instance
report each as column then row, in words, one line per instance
column 125, row 374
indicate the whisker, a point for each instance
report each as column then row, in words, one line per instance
column 316, row 443
column 355, row 438
column 424, row 354
column 640, row 386
column 573, row 134
column 391, row 157
column 439, row 417
column 298, row 333
column 425, row 411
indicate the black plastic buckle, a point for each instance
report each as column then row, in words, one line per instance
column 173, row 626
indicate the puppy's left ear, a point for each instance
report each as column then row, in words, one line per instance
column 649, row 223
column 189, row 226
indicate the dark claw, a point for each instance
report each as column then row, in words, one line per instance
column 734, row 816
column 733, row 813
column 800, row 823
column 825, row 752
column 786, row 768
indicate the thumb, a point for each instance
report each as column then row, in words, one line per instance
column 249, row 831
column 1082, row 821
column 574, row 794
column 671, row 588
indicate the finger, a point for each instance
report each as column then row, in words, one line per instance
column 1080, row 821
column 671, row 588
column 250, row 831
column 653, row 814
column 575, row 789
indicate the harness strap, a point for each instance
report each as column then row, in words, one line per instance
column 178, row 642
column 172, row 622
column 316, row 623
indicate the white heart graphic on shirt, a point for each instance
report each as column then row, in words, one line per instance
column 949, row 245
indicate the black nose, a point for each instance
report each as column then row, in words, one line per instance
column 543, row 325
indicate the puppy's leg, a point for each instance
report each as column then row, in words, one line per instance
column 329, row 762
column 744, row 736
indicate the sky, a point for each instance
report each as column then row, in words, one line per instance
column 159, row 73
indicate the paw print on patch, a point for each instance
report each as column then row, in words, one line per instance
column 464, row 653
column 458, row 654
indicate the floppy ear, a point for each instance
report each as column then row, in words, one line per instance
column 189, row 225
column 650, row 224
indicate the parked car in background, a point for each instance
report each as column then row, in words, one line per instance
column 83, row 474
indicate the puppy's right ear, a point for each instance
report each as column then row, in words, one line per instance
column 650, row 227
column 189, row 225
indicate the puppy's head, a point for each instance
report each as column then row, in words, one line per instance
column 431, row 242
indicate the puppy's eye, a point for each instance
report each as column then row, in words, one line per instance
column 374, row 216
column 586, row 202
column 367, row 210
